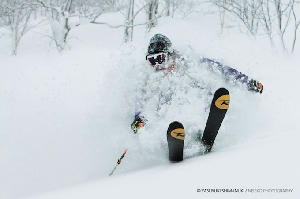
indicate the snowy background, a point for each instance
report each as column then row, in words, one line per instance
column 65, row 117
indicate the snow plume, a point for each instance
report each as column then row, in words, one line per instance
column 183, row 95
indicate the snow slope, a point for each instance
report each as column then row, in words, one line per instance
column 65, row 118
column 263, row 166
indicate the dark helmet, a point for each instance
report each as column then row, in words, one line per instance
column 159, row 43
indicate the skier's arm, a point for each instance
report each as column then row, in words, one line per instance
column 139, row 120
column 231, row 73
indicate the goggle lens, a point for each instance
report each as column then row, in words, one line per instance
column 156, row 58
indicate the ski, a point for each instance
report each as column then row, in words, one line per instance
column 175, row 133
column 218, row 109
column 175, row 138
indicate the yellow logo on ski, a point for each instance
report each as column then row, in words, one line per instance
column 222, row 102
column 178, row 134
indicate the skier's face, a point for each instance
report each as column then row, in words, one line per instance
column 159, row 61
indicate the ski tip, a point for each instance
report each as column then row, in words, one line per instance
column 221, row 99
column 222, row 91
column 175, row 125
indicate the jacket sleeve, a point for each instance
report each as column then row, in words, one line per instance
column 228, row 72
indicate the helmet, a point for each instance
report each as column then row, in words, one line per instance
column 159, row 43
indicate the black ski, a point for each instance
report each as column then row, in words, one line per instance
column 218, row 109
column 175, row 138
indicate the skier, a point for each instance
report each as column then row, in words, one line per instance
column 163, row 58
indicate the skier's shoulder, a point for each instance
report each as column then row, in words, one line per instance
column 175, row 54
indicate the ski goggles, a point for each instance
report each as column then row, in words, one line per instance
column 157, row 59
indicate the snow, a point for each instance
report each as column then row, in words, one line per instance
column 65, row 118
column 252, row 166
column 84, row 21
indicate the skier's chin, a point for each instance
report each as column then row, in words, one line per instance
column 161, row 67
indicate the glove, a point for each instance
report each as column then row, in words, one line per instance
column 138, row 122
column 255, row 86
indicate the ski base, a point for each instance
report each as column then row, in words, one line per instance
column 175, row 138
column 218, row 109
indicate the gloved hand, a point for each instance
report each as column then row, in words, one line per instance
column 255, row 86
column 138, row 122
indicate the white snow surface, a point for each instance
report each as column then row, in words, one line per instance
column 65, row 118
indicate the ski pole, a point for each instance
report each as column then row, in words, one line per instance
column 119, row 162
